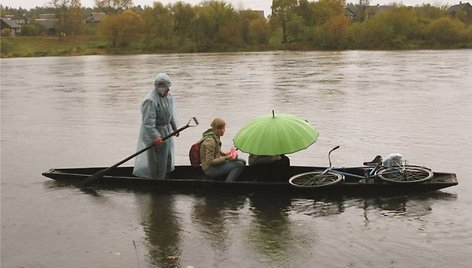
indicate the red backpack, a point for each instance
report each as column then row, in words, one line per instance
column 194, row 153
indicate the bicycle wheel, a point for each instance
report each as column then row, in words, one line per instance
column 315, row 179
column 405, row 174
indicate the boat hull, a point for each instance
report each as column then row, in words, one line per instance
column 188, row 178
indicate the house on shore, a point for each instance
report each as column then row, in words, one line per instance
column 96, row 17
column 9, row 24
column 462, row 11
column 48, row 21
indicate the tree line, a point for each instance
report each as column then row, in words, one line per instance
column 215, row 25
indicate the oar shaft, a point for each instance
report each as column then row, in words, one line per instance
column 99, row 174
column 148, row 147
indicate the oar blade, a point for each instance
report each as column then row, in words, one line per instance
column 93, row 178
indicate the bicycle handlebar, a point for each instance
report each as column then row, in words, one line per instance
column 335, row 148
column 329, row 154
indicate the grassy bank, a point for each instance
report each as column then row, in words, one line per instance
column 43, row 46
column 53, row 46
column 20, row 46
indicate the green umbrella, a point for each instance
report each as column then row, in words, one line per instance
column 275, row 134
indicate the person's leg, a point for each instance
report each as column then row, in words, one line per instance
column 232, row 168
column 218, row 171
column 237, row 167
column 162, row 156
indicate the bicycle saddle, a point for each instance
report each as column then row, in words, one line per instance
column 377, row 161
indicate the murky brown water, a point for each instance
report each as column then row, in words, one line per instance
column 83, row 111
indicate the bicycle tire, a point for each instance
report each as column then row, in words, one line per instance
column 315, row 179
column 405, row 174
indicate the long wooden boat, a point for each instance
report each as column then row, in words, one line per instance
column 253, row 179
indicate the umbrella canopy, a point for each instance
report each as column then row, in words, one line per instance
column 275, row 134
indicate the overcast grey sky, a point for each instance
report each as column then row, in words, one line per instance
column 238, row 4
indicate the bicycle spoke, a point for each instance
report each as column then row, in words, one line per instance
column 315, row 179
column 406, row 174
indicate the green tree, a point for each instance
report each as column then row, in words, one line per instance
column 328, row 24
column 121, row 30
column 229, row 33
column 74, row 20
column 282, row 10
column 397, row 28
column 258, row 31
column 296, row 29
column 183, row 15
column 32, row 29
column 254, row 27
column 324, row 10
column 362, row 9
column 336, row 32
column 113, row 6
column 158, row 27
column 216, row 23
column 70, row 16
column 306, row 10
column 404, row 21
column 372, row 33
column 448, row 31
column 429, row 12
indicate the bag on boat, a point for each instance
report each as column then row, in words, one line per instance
column 194, row 153
column 392, row 160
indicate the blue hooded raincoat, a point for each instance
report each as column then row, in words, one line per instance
column 158, row 120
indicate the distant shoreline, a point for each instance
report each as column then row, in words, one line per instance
column 14, row 47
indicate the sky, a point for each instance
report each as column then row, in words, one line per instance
column 238, row 4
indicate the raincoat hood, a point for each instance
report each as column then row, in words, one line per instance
column 162, row 83
column 162, row 80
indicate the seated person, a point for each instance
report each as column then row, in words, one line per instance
column 266, row 159
column 274, row 167
column 214, row 162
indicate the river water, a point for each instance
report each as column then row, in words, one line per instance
column 84, row 111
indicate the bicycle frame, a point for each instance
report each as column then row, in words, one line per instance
column 395, row 172
column 370, row 172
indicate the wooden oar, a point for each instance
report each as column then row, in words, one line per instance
column 98, row 175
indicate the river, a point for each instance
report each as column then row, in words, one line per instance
column 84, row 111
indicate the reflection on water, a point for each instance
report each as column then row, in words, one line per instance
column 406, row 206
column 394, row 206
column 275, row 231
column 211, row 213
column 162, row 229
column 319, row 207
column 271, row 232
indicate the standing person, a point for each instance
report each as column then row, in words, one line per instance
column 158, row 121
column 214, row 162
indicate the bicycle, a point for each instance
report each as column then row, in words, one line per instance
column 392, row 170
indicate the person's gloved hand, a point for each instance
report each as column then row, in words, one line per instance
column 158, row 141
